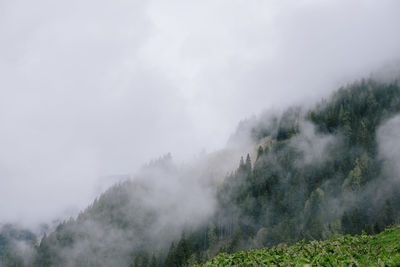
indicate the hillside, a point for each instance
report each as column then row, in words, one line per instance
column 10, row 235
column 309, row 175
column 361, row 250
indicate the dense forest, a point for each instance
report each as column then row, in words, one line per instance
column 312, row 174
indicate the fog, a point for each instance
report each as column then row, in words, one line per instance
column 388, row 136
column 90, row 89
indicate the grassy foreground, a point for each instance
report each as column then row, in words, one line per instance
column 363, row 250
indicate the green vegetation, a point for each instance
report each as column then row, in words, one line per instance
column 360, row 250
column 9, row 235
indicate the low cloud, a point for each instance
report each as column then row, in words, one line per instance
column 312, row 145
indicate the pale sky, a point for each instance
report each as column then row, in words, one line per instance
column 94, row 88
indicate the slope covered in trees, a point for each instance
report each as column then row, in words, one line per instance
column 312, row 174
column 317, row 173
column 12, row 236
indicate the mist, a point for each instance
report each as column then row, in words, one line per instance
column 95, row 89
column 388, row 136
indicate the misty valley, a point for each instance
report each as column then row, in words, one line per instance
column 302, row 174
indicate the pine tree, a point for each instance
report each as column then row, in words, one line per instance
column 212, row 236
column 183, row 251
column 43, row 257
column 153, row 262
column 171, row 260
column 313, row 223
column 260, row 152
column 248, row 166
column 235, row 241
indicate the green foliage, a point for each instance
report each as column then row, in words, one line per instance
column 180, row 254
column 236, row 239
column 363, row 250
column 212, row 236
column 9, row 234
column 141, row 260
column 12, row 260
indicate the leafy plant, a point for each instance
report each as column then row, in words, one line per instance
column 359, row 250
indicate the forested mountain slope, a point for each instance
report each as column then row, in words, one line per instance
column 314, row 173
column 11, row 236
column 319, row 173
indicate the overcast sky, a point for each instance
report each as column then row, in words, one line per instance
column 93, row 88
